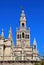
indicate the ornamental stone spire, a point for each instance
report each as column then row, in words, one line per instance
column 10, row 37
column 2, row 34
column 35, row 44
column 10, row 33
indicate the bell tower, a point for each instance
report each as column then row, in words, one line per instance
column 22, row 20
column 23, row 34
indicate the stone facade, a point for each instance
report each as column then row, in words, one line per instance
column 22, row 51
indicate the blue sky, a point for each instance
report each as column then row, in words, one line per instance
column 10, row 11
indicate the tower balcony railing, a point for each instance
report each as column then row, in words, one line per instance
column 27, row 29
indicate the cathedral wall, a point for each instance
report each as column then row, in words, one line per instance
column 1, row 42
column 1, row 58
column 6, row 58
column 1, row 50
column 29, row 58
column 7, row 43
column 18, row 43
column 7, row 51
column 26, row 43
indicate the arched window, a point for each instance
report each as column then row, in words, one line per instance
column 27, row 36
column 22, row 24
column 18, row 36
column 22, row 35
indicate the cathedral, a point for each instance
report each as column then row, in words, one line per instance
column 23, row 51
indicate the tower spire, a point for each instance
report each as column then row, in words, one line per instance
column 22, row 7
column 23, row 16
column 23, row 19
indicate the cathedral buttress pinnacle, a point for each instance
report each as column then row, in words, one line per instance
column 10, row 33
column 2, row 34
column 10, row 36
column 35, row 44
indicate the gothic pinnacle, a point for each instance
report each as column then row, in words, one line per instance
column 2, row 34
column 34, row 43
column 10, row 33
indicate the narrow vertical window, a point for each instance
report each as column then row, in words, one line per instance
column 22, row 24
column 22, row 35
column 34, row 46
column 18, row 36
column 28, row 36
